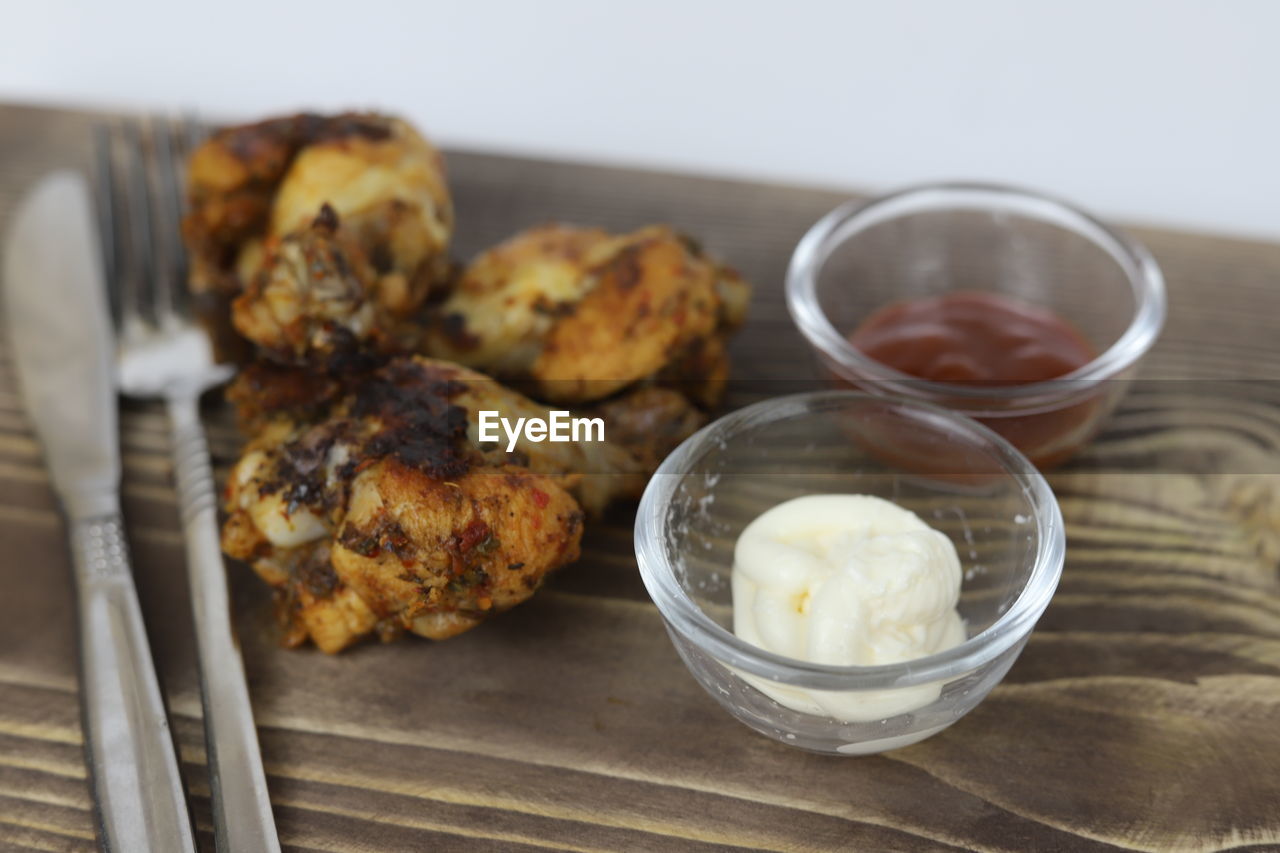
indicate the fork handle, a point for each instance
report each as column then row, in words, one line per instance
column 138, row 791
column 242, row 821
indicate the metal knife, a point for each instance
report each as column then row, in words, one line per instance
column 60, row 335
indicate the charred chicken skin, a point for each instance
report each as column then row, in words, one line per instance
column 385, row 513
column 580, row 314
column 384, row 516
column 326, row 231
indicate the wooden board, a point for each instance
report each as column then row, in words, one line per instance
column 1144, row 713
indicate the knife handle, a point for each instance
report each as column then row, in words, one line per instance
column 242, row 819
column 133, row 767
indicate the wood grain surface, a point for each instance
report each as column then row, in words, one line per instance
column 1144, row 713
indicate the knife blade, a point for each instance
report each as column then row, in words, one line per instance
column 62, row 343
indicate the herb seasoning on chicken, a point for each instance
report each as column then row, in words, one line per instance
column 364, row 495
column 419, row 528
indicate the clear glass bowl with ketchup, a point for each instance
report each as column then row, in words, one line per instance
column 1005, row 305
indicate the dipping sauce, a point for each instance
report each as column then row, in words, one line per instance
column 973, row 336
column 846, row 580
column 988, row 339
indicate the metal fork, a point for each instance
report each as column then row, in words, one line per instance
column 164, row 353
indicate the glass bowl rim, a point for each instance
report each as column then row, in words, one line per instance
column 837, row 226
column 685, row 617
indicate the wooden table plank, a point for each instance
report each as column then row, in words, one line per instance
column 1144, row 713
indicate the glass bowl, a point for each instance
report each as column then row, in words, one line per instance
column 934, row 239
column 991, row 501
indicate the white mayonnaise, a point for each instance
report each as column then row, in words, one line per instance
column 846, row 580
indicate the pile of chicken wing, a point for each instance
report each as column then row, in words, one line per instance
column 364, row 494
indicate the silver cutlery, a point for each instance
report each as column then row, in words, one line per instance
column 166, row 354
column 61, row 337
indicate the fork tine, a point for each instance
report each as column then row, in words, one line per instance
column 170, row 264
column 109, row 225
column 136, row 285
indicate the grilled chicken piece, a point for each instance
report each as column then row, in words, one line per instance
column 641, row 425
column 327, row 230
column 582, row 314
column 649, row 422
column 383, row 516
column 596, row 472
column 386, row 513
column 315, row 301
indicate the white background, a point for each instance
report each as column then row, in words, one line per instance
column 1163, row 111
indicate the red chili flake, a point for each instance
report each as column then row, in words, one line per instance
column 474, row 533
column 541, row 498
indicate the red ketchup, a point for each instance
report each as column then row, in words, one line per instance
column 987, row 339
